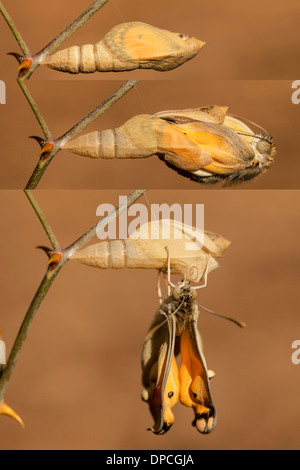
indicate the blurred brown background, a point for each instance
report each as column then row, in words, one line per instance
column 257, row 40
column 78, row 382
column 63, row 104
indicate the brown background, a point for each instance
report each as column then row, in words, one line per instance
column 255, row 40
column 267, row 103
column 77, row 384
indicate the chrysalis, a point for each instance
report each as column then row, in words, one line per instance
column 204, row 144
column 174, row 331
column 145, row 249
column 128, row 46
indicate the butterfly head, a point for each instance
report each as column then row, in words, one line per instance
column 184, row 292
column 190, row 44
column 265, row 150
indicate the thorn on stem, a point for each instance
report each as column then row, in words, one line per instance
column 54, row 260
column 17, row 56
column 48, row 251
column 7, row 411
column 47, row 149
column 39, row 140
column 25, row 66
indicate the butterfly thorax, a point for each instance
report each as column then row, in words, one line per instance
column 181, row 303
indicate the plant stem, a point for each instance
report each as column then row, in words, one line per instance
column 25, row 328
column 85, row 122
column 93, row 115
column 100, row 226
column 47, row 283
column 15, row 31
column 35, row 109
column 65, row 34
column 42, row 218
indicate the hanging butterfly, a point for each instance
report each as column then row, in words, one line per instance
column 173, row 332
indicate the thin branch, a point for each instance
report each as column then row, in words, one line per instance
column 42, row 218
column 47, row 283
column 65, row 34
column 85, row 122
column 100, row 226
column 25, row 328
column 14, row 30
column 93, row 115
column 35, row 109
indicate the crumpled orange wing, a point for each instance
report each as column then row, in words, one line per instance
column 194, row 380
column 178, row 149
column 160, row 373
column 228, row 150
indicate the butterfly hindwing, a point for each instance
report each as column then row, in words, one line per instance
column 194, row 379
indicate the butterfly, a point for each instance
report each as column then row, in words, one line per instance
column 204, row 144
column 173, row 332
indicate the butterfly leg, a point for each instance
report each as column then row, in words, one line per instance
column 205, row 276
column 159, row 292
column 170, row 284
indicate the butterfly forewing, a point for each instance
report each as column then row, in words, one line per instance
column 160, row 373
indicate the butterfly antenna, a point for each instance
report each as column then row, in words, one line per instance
column 236, row 322
column 250, row 122
column 257, row 136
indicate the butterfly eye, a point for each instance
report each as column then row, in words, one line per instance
column 183, row 36
column 193, row 294
column 177, row 293
column 264, row 147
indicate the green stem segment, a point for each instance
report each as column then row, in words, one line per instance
column 15, row 31
column 98, row 111
column 47, row 282
column 35, row 109
column 83, row 124
column 100, row 226
column 24, row 330
column 42, row 219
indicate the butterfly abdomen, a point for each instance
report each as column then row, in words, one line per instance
column 135, row 139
